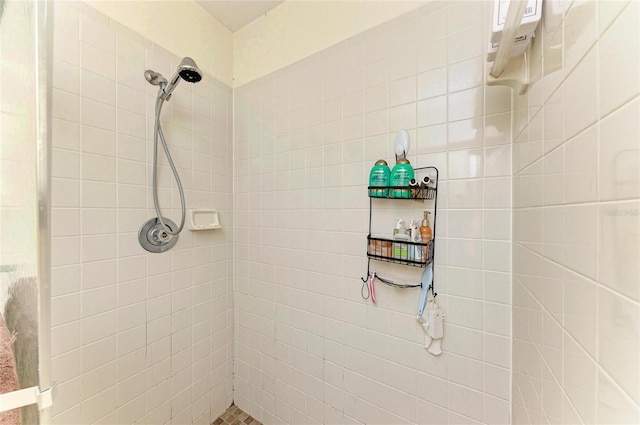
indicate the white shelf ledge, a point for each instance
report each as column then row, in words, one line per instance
column 204, row 219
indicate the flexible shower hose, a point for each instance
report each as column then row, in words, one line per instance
column 157, row 133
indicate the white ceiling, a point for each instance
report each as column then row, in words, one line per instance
column 236, row 14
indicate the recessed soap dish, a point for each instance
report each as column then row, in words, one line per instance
column 203, row 219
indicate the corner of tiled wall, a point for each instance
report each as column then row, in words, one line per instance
column 137, row 337
column 309, row 349
column 577, row 219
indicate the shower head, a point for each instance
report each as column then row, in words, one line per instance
column 188, row 71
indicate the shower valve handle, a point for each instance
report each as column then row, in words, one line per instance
column 160, row 235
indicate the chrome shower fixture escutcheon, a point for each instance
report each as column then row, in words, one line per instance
column 154, row 238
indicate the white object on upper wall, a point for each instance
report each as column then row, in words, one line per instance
column 513, row 25
column 530, row 19
column 524, row 33
column 401, row 144
column 203, row 219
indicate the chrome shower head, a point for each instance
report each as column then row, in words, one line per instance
column 188, row 71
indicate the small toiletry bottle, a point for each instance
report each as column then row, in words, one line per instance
column 412, row 230
column 401, row 175
column 386, row 250
column 416, row 238
column 426, row 234
column 400, row 233
column 373, row 247
column 401, row 227
column 380, row 176
column 414, row 189
column 425, row 230
column 425, row 185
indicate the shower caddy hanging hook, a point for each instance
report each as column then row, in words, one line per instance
column 365, row 291
column 403, row 156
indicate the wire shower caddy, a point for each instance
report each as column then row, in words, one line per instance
column 384, row 249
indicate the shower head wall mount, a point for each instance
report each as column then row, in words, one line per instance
column 155, row 78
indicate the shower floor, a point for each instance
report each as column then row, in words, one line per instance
column 235, row 416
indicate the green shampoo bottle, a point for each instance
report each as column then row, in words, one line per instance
column 380, row 176
column 401, row 175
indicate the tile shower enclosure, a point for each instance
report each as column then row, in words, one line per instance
column 267, row 311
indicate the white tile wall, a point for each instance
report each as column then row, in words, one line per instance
column 142, row 338
column 309, row 349
column 137, row 337
column 576, row 152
